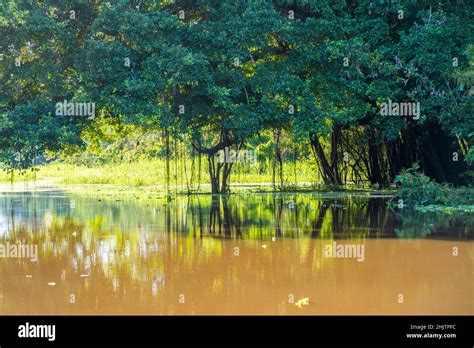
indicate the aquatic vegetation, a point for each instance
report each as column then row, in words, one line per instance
column 416, row 191
column 302, row 302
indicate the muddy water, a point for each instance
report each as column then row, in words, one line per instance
column 248, row 254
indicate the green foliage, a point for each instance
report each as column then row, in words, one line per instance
column 220, row 73
column 418, row 191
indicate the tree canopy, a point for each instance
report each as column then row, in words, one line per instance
column 216, row 73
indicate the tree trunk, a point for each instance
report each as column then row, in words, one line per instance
column 374, row 151
column 335, row 135
column 167, row 164
column 327, row 170
column 219, row 184
column 278, row 157
column 215, row 168
column 214, row 172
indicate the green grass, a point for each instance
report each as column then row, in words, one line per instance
column 151, row 172
column 17, row 176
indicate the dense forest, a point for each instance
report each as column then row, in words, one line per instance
column 361, row 90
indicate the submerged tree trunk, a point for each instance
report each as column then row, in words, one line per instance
column 375, row 153
column 278, row 156
column 219, row 174
column 213, row 173
column 225, row 177
column 218, row 184
column 176, row 156
column 436, row 151
column 441, row 156
column 329, row 171
column 335, row 156
column 167, row 164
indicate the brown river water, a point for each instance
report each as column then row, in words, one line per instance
column 249, row 254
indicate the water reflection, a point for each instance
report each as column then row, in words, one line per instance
column 242, row 254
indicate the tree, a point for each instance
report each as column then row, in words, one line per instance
column 216, row 73
column 39, row 46
column 355, row 56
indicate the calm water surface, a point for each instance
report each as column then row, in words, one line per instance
column 246, row 254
